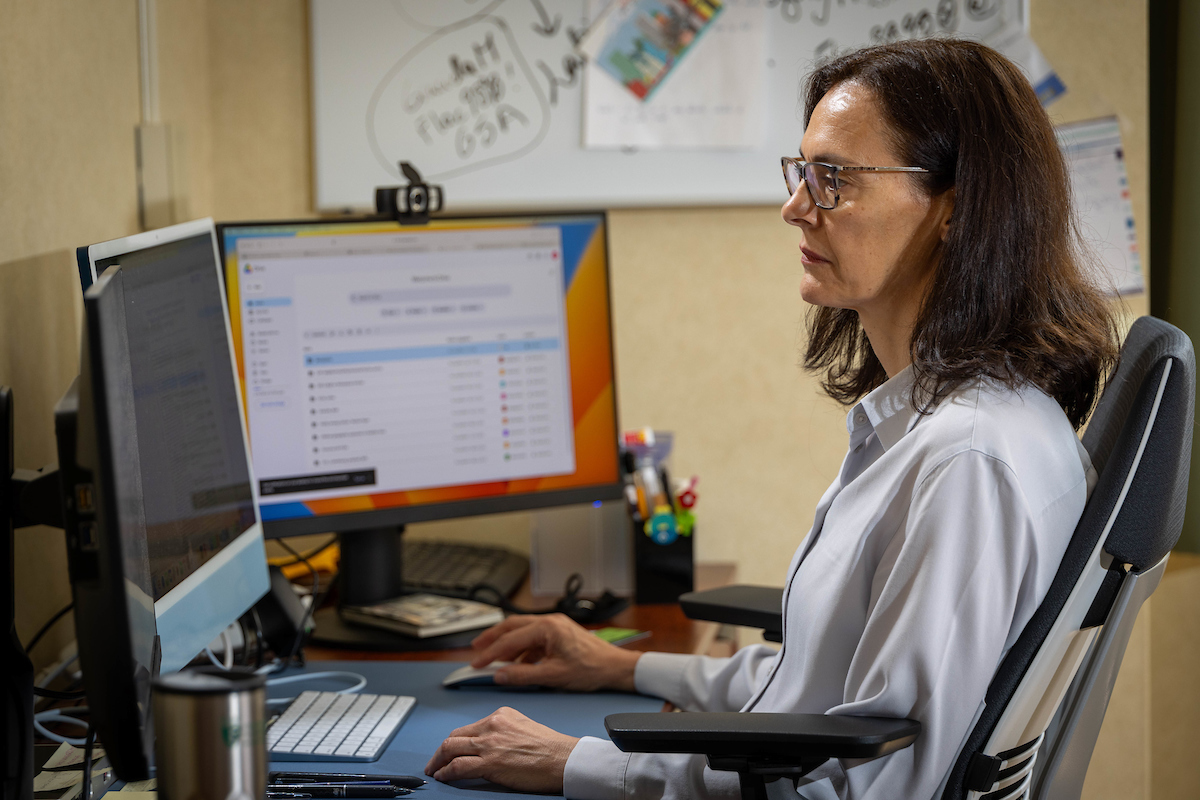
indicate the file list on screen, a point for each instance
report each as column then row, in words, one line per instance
column 399, row 361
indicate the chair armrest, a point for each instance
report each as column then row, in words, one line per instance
column 778, row 737
column 749, row 606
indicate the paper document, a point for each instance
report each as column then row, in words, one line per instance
column 1018, row 47
column 713, row 99
column 1101, row 194
column 67, row 755
column 639, row 42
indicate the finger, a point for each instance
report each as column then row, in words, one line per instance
column 476, row 728
column 511, row 645
column 500, row 628
column 454, row 746
column 461, row 769
column 540, row 674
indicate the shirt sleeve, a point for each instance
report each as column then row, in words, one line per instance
column 597, row 770
column 954, row 582
column 703, row 683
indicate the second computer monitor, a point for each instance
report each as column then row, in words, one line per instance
column 398, row 373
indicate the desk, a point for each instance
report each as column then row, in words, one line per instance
column 439, row 711
column 670, row 630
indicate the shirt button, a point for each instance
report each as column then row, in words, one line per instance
column 860, row 419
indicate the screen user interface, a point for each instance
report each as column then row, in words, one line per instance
column 388, row 366
column 195, row 482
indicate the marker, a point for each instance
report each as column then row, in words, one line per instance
column 341, row 790
column 403, row 781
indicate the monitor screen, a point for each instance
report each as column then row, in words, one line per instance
column 397, row 373
column 196, row 521
column 195, row 481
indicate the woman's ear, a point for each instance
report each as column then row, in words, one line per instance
column 947, row 198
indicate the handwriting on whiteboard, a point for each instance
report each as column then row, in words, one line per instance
column 479, row 82
column 466, row 97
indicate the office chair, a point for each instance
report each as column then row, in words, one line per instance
column 1045, row 704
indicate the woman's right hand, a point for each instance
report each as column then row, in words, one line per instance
column 553, row 650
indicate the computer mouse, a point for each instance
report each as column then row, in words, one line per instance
column 472, row 676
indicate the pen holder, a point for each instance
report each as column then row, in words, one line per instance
column 210, row 734
column 662, row 572
column 663, row 527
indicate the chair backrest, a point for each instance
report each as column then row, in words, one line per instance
column 1062, row 666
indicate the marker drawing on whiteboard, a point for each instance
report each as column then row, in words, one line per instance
column 466, row 98
column 430, row 17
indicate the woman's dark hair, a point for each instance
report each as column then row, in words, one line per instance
column 1008, row 298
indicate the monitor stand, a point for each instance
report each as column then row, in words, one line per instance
column 371, row 571
column 16, row 780
column 27, row 498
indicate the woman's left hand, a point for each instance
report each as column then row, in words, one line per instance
column 507, row 748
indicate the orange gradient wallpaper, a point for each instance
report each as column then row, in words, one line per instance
column 590, row 360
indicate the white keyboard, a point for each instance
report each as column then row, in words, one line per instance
column 326, row 726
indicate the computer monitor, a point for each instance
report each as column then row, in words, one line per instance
column 164, row 542
column 397, row 373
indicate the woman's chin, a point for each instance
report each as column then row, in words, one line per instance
column 813, row 293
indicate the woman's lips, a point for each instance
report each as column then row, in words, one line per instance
column 810, row 257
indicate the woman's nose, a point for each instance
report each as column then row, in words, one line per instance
column 800, row 207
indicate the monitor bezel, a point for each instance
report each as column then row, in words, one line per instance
column 402, row 515
column 235, row 571
column 116, row 676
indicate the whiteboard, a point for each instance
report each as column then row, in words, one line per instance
column 403, row 80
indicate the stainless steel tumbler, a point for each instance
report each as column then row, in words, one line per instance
column 210, row 734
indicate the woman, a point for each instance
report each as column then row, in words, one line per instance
column 952, row 317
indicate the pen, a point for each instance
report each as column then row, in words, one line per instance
column 403, row 781
column 341, row 789
column 284, row 795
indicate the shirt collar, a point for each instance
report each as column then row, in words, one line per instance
column 888, row 411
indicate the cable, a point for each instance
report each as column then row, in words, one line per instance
column 259, row 650
column 312, row 607
column 213, row 658
column 360, row 683
column 226, row 653
column 58, row 670
column 577, row 608
column 86, row 791
column 50, row 693
column 40, row 689
column 59, row 715
column 54, row 737
column 276, row 665
column 37, row 637
column 311, row 554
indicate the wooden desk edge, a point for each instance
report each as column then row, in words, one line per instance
column 670, row 630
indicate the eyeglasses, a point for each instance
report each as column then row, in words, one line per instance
column 822, row 179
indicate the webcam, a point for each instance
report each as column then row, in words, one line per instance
column 411, row 204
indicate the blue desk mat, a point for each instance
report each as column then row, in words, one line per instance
column 439, row 711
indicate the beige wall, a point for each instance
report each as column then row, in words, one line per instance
column 1174, row 691
column 68, row 104
column 707, row 314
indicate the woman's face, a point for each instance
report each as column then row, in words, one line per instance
column 876, row 250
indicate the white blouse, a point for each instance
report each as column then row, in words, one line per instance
column 928, row 554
